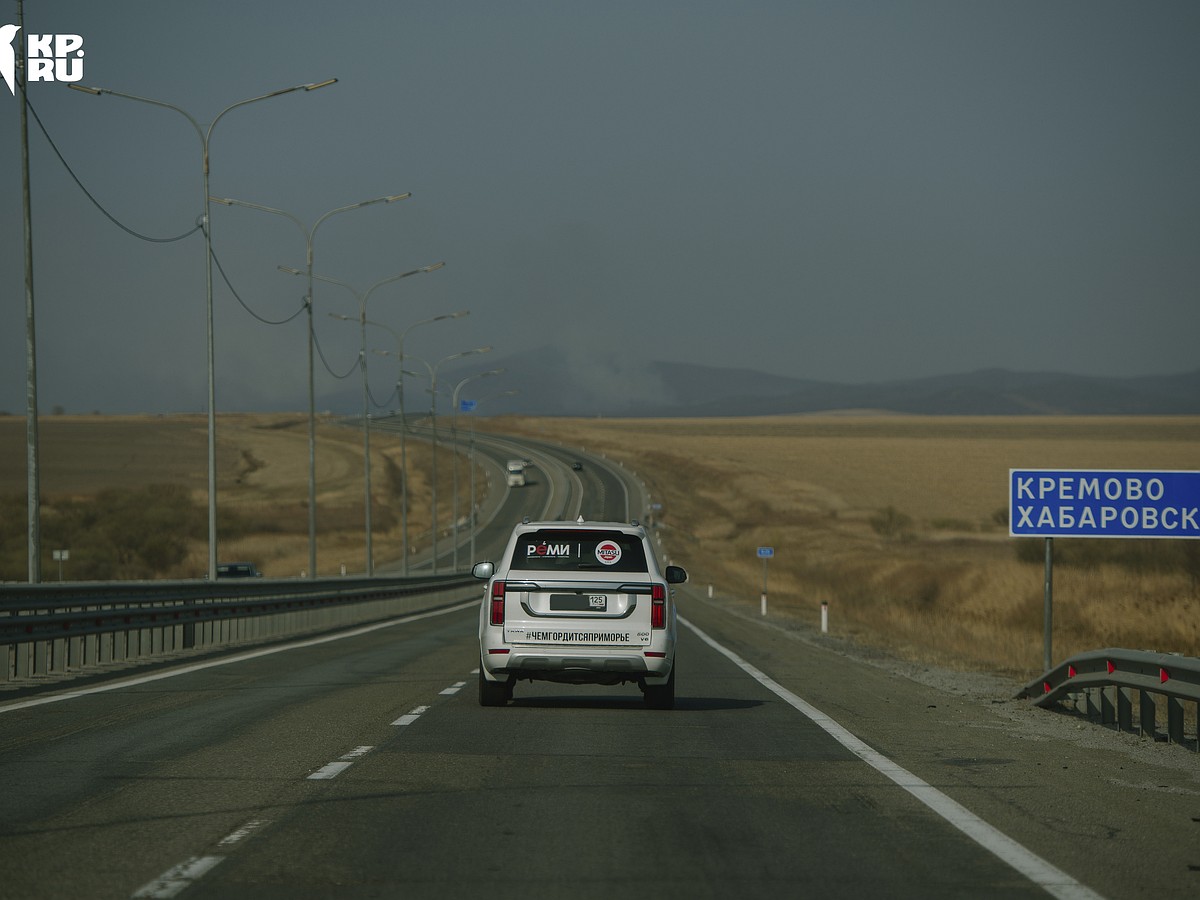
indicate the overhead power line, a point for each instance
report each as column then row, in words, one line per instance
column 95, row 202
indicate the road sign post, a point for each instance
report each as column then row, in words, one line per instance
column 1099, row 503
column 765, row 553
column 60, row 557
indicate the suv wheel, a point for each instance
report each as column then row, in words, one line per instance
column 661, row 696
column 492, row 693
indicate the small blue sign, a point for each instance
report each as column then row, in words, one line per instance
column 467, row 405
column 766, row 552
column 1099, row 503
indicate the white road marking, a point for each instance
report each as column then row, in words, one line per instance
column 332, row 770
column 409, row 718
column 454, row 689
column 236, row 837
column 229, row 660
column 345, row 761
column 1051, row 879
column 175, row 879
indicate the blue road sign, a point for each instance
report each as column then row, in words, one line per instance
column 766, row 552
column 1121, row 503
column 467, row 405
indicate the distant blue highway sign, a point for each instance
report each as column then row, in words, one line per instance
column 766, row 552
column 467, row 405
column 1098, row 503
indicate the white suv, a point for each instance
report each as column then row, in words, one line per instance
column 580, row 603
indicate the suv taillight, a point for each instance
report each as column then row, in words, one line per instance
column 497, row 603
column 658, row 606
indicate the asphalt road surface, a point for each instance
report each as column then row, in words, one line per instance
column 364, row 767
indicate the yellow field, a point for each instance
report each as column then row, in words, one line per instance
column 262, row 479
column 897, row 522
column 936, row 578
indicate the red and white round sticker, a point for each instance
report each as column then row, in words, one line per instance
column 608, row 552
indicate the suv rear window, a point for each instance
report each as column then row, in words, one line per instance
column 583, row 550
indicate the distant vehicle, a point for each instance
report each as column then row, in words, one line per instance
column 578, row 603
column 577, row 466
column 238, row 570
column 516, row 473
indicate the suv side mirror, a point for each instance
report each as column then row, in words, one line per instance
column 484, row 570
column 676, row 575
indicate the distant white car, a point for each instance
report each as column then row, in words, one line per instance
column 578, row 603
column 514, row 473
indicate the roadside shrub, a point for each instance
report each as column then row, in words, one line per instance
column 892, row 524
column 117, row 534
column 1142, row 557
column 14, row 565
column 952, row 525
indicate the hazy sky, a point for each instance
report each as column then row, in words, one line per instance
column 836, row 190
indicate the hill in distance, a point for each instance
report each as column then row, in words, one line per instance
column 549, row 383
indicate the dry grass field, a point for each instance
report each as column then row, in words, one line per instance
column 897, row 522
column 262, row 482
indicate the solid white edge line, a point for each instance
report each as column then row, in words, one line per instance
column 1047, row 876
column 229, row 660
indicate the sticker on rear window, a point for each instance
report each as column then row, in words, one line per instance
column 608, row 552
column 550, row 551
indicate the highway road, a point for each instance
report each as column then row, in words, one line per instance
column 553, row 490
column 363, row 767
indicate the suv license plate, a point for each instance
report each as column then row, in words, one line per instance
column 579, row 602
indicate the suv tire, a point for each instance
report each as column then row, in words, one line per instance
column 661, row 696
column 493, row 693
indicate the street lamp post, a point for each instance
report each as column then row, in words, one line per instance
column 205, row 138
column 454, row 455
column 399, row 336
column 433, row 369
column 362, row 297
column 309, row 235
column 33, row 490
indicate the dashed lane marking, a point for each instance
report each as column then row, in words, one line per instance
column 177, row 878
column 336, row 768
column 409, row 718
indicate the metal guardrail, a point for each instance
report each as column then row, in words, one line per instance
column 57, row 629
column 1105, row 685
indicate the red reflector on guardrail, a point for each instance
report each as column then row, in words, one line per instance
column 1045, row 687
column 1163, row 676
column 1071, row 673
column 1111, row 667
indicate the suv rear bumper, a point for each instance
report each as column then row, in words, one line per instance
column 550, row 664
